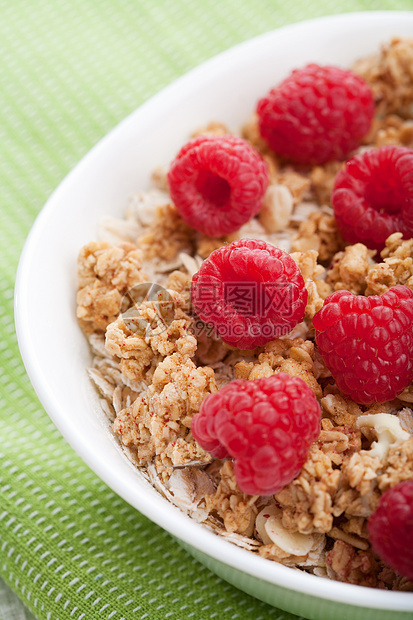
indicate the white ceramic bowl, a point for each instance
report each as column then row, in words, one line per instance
column 226, row 89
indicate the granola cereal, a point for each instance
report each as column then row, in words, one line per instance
column 154, row 361
column 390, row 75
column 319, row 232
column 349, row 268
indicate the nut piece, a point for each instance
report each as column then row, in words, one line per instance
column 406, row 419
column 388, row 430
column 271, row 530
column 189, row 486
column 276, row 209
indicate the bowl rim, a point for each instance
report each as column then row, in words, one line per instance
column 179, row 524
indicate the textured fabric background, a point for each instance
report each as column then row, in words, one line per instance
column 70, row 71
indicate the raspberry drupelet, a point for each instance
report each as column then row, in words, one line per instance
column 373, row 196
column 367, row 342
column 266, row 426
column 250, row 292
column 218, row 183
column 316, row 114
column 390, row 528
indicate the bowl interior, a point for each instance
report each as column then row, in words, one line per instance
column 54, row 350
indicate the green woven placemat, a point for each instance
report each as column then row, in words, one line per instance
column 70, row 71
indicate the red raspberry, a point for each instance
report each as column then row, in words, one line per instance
column 250, row 292
column 391, row 528
column 367, row 342
column 266, row 426
column 373, row 196
column 316, row 114
column 217, row 183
